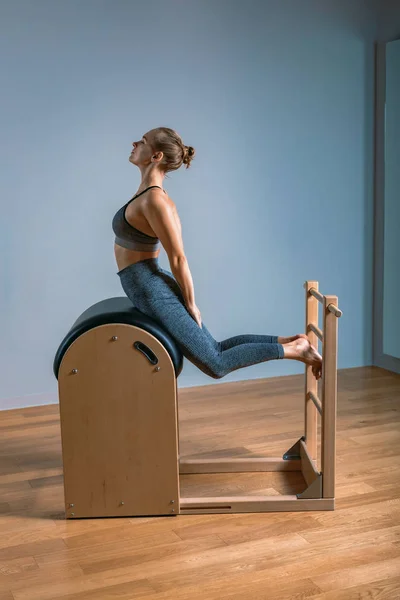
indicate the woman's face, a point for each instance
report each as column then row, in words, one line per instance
column 142, row 150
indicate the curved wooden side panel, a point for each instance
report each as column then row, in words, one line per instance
column 119, row 425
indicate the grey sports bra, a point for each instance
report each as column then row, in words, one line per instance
column 128, row 236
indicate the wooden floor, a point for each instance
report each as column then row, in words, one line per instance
column 346, row 554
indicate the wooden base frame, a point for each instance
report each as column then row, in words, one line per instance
column 120, row 434
column 296, row 458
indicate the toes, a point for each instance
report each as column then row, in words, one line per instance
column 317, row 370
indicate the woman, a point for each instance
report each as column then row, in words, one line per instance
column 149, row 218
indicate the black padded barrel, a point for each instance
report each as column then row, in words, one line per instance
column 118, row 310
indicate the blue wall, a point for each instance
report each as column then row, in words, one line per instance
column 276, row 98
column 388, row 20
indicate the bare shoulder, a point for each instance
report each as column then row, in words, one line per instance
column 157, row 195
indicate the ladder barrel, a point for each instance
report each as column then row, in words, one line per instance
column 117, row 373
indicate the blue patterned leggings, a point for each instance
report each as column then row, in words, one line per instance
column 155, row 292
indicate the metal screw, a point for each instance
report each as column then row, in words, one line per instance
column 172, row 501
column 173, row 510
column 74, row 370
column 72, row 514
column 71, row 505
column 122, row 502
column 114, row 338
column 157, row 368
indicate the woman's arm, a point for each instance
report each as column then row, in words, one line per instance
column 181, row 272
column 161, row 219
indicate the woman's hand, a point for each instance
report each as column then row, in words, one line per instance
column 194, row 311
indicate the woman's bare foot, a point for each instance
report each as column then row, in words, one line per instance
column 301, row 349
